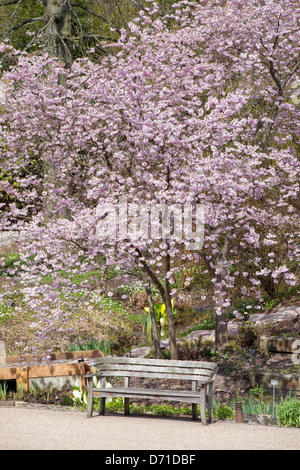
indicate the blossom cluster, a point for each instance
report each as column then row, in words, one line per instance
column 194, row 108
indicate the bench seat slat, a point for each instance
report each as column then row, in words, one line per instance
column 143, row 368
column 156, row 362
column 125, row 392
column 153, row 375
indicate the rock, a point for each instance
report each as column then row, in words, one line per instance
column 140, row 352
column 205, row 334
column 223, row 383
column 2, row 349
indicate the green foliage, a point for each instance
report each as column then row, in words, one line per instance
column 258, row 391
column 288, row 413
column 3, row 391
column 247, row 335
column 161, row 318
column 222, row 411
column 207, row 322
column 91, row 345
column 160, row 313
column 79, row 397
column 195, row 350
column 258, row 406
column 20, row 391
column 166, row 354
column 244, row 308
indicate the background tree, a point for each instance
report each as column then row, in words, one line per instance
column 174, row 118
column 68, row 29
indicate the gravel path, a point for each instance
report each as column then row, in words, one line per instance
column 55, row 429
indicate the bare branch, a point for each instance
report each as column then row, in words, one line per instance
column 34, row 37
column 138, row 5
column 291, row 73
column 89, row 11
column 30, row 20
column 96, row 15
column 12, row 2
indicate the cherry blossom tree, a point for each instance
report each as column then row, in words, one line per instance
column 194, row 112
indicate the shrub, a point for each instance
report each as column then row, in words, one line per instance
column 247, row 335
column 222, row 411
column 195, row 350
column 288, row 413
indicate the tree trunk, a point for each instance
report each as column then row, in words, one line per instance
column 155, row 334
column 58, row 31
column 166, row 297
column 171, row 323
column 221, row 333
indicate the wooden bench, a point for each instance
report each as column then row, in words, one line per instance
column 201, row 375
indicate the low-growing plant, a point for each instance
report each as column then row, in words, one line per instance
column 114, row 405
column 35, row 389
column 92, row 344
column 80, row 397
column 193, row 351
column 247, row 335
column 258, row 406
column 3, row 391
column 161, row 317
column 222, row 411
column 258, row 391
column 20, row 391
column 207, row 322
column 288, row 413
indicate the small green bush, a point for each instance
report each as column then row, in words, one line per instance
column 288, row 413
column 224, row 412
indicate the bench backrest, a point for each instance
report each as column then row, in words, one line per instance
column 156, row 368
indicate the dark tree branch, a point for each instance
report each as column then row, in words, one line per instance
column 30, row 20
column 96, row 15
column 12, row 2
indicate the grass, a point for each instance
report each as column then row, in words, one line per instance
column 3, row 390
column 288, row 413
column 92, row 344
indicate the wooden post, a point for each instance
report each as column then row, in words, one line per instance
column 83, row 372
column 22, row 379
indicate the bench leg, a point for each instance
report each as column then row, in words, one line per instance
column 126, row 406
column 126, row 400
column 194, row 405
column 203, row 405
column 194, row 411
column 90, row 398
column 102, row 400
column 102, row 407
column 210, row 403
